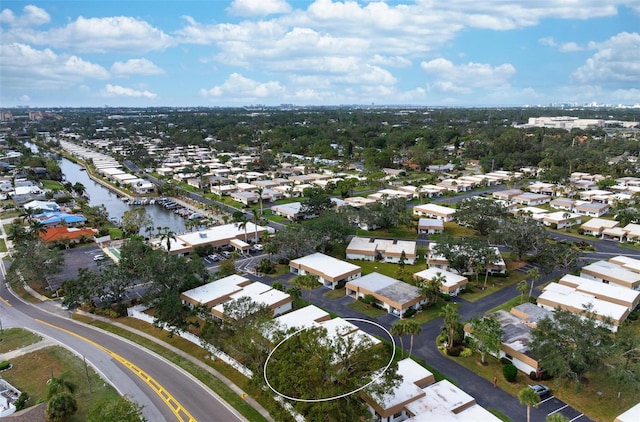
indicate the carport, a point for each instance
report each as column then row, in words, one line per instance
column 240, row 245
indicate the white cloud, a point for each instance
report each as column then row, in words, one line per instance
column 463, row 79
column 24, row 98
column 237, row 87
column 110, row 91
column 98, row 35
column 136, row 67
column 31, row 16
column 568, row 47
column 615, row 63
column 252, row 8
column 392, row 61
column 26, row 67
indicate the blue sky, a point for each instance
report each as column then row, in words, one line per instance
column 323, row 52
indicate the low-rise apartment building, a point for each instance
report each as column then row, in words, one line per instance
column 394, row 296
column 331, row 272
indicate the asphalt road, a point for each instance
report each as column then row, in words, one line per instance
column 166, row 391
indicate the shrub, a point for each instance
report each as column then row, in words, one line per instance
column 446, row 297
column 466, row 352
column 442, row 337
column 633, row 315
column 266, row 266
column 5, row 365
column 409, row 313
column 454, row 351
column 505, row 361
column 510, row 372
column 21, row 403
column 368, row 299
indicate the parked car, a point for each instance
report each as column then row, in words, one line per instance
column 258, row 247
column 214, row 257
column 541, row 390
column 226, row 254
column 98, row 257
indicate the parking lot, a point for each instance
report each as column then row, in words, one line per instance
column 73, row 260
column 551, row 405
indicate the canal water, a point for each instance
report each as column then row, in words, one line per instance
column 99, row 195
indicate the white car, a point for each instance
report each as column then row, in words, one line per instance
column 98, row 257
column 258, row 247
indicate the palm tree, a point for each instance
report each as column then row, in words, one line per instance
column 413, row 328
column 168, row 236
column 399, row 329
column 534, row 275
column 242, row 224
column 259, row 192
column 451, row 321
column 522, row 287
column 59, row 385
column 36, row 227
column 556, row 417
column 529, row 398
column 307, row 281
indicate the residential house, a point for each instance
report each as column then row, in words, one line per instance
column 556, row 295
column 430, row 226
column 439, row 212
column 561, row 219
column 395, row 296
column 246, row 198
column 331, row 272
column 387, row 250
column 562, row 204
column 610, row 273
column 67, row 234
column 540, row 188
column 452, row 284
column 609, row 292
column 507, row 194
column 592, row 209
column 531, row 199
column 596, row 226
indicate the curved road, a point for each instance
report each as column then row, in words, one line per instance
column 165, row 390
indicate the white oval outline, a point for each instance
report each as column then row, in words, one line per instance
column 266, row 362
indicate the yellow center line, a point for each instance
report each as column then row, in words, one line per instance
column 167, row 398
column 5, row 302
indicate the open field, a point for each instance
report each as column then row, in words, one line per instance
column 17, row 338
column 30, row 373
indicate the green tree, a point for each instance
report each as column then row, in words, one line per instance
column 522, row 287
column 533, row 274
column 487, row 335
column 413, row 328
column 60, row 407
column 399, row 329
column 135, row 219
column 451, row 322
column 167, row 236
column 556, row 417
column 430, row 288
column 120, row 409
column 315, row 364
column 483, row 215
column 521, row 234
column 571, row 344
column 59, row 385
column 529, row 398
column 307, row 281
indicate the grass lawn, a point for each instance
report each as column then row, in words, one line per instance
column 431, row 313
column 16, row 338
column 368, row 310
column 507, row 305
column 199, row 353
column 52, row 185
column 335, row 294
column 30, row 373
column 386, row 268
column 3, row 246
column 402, row 232
column 600, row 407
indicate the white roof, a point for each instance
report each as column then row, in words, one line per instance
column 601, row 290
column 608, row 270
column 568, row 296
column 631, row 415
column 325, row 264
column 434, row 208
column 302, row 318
column 560, row 216
column 451, row 279
column 216, row 289
column 441, row 400
column 411, row 372
column 227, row 231
column 260, row 293
column 627, row 263
column 598, row 223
